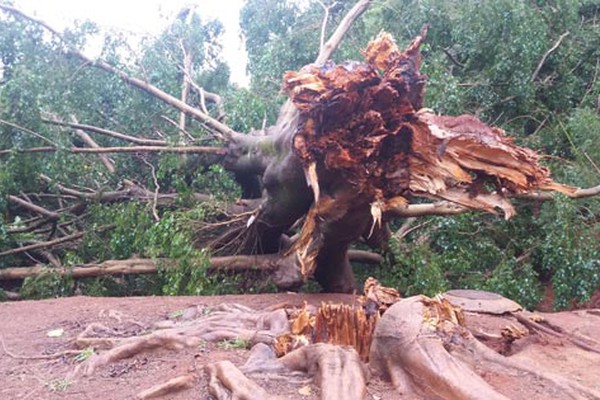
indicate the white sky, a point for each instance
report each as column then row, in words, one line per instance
column 146, row 16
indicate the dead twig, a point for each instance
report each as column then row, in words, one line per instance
column 156, row 188
column 38, row 357
column 327, row 9
column 546, row 55
column 26, row 130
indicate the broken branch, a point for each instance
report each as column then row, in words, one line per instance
column 87, row 139
column 546, row 55
column 42, row 245
column 107, row 132
column 51, row 215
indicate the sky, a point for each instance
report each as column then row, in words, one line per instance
column 146, row 17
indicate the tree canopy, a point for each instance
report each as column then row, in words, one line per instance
column 530, row 68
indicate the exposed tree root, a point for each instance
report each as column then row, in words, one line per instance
column 36, row 357
column 430, row 355
column 337, row 369
column 226, row 381
column 422, row 345
column 171, row 386
column 224, row 322
column 584, row 342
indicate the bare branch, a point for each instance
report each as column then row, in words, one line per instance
column 132, row 191
column 421, row 210
column 578, row 194
column 33, row 225
column 156, row 189
column 334, row 41
column 52, row 259
column 29, row 131
column 188, row 58
column 404, row 229
column 117, row 135
column 107, row 162
column 442, row 208
column 327, row 10
column 11, row 296
column 364, row 257
column 203, row 101
column 47, row 149
column 51, row 215
column 42, row 245
column 452, row 58
column 141, row 266
column 546, row 55
column 149, row 149
column 206, row 96
column 130, row 149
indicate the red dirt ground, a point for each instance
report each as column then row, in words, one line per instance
column 24, row 327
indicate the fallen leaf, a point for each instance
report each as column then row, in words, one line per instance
column 55, row 332
column 305, row 390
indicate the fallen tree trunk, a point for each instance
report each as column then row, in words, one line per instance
column 367, row 147
column 349, row 151
column 134, row 266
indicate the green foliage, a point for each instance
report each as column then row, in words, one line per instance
column 84, row 354
column 569, row 253
column 59, row 385
column 135, row 233
column 247, row 111
column 417, row 270
column 515, row 280
column 131, row 222
column 234, row 344
column 47, row 285
column 558, row 246
column 217, row 182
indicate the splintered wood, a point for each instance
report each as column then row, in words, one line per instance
column 363, row 123
column 346, row 325
column 340, row 324
column 439, row 310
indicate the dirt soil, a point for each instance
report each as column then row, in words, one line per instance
column 34, row 365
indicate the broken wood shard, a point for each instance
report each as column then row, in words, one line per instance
column 339, row 324
column 363, row 130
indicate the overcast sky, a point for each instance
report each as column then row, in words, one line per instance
column 145, row 16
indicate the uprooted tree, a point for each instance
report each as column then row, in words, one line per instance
column 351, row 150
